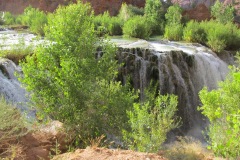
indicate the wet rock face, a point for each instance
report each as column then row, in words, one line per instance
column 175, row 72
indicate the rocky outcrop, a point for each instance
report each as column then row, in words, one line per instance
column 99, row 6
column 199, row 13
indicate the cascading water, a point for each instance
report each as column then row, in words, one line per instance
column 10, row 87
column 178, row 68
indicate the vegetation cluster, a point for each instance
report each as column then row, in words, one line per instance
column 156, row 18
column 70, row 82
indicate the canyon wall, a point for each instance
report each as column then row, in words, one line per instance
column 99, row 6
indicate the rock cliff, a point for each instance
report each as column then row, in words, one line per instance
column 99, row 6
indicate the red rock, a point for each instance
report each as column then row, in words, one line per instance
column 99, row 6
column 199, row 13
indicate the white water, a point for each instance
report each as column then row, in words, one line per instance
column 10, row 38
column 10, row 87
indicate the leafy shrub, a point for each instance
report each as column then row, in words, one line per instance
column 12, row 126
column 34, row 18
column 105, row 24
column 69, row 84
column 174, row 15
column 154, row 12
column 135, row 10
column 8, row 18
column 150, row 121
column 221, row 36
column 174, row 28
column 129, row 11
column 194, row 32
column 223, row 13
column 137, row 27
column 221, row 106
column 173, row 32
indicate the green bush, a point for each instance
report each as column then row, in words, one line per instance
column 194, row 32
column 135, row 10
column 137, row 27
column 69, row 84
column 154, row 12
column 105, row 24
column 173, row 32
column 221, row 106
column 221, row 36
column 34, row 18
column 128, row 11
column 222, row 13
column 150, row 121
column 174, row 28
column 174, row 15
column 8, row 18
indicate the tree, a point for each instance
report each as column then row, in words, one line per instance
column 69, row 83
column 174, row 15
column 221, row 107
column 174, row 28
column 154, row 12
column 222, row 13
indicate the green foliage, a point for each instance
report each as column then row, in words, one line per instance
column 12, row 125
column 69, row 84
column 137, row 27
column 222, row 13
column 150, row 121
column 174, row 15
column 154, row 12
column 34, row 18
column 174, row 28
column 128, row 11
column 105, row 24
column 221, row 106
column 8, row 18
column 173, row 32
column 216, row 35
column 194, row 32
column 221, row 36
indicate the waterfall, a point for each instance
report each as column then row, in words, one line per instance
column 182, row 69
column 10, row 87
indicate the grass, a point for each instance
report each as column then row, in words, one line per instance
column 16, row 52
column 187, row 149
column 12, row 127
